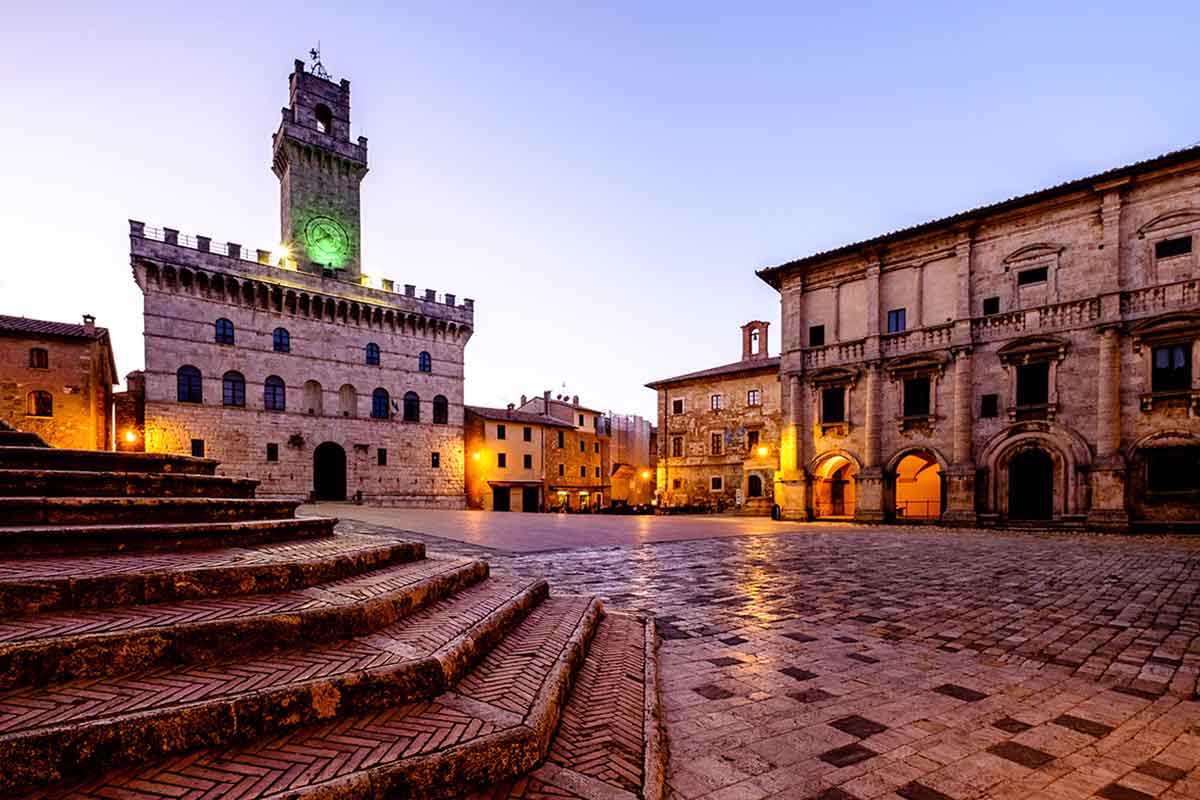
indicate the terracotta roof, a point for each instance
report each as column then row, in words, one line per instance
column 504, row 415
column 752, row 365
column 47, row 328
column 771, row 274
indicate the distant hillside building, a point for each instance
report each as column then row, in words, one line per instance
column 290, row 365
column 56, row 381
column 1033, row 361
column 718, row 431
column 634, row 460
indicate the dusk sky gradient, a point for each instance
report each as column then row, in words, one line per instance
column 603, row 179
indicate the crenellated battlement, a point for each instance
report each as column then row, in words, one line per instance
column 172, row 246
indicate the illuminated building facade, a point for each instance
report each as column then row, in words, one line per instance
column 1036, row 361
column 718, row 432
column 290, row 365
column 56, row 381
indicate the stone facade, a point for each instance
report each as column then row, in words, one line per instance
column 718, row 432
column 634, row 460
column 578, row 461
column 1039, row 355
column 56, row 381
column 291, row 366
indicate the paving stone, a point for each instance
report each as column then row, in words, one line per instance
column 1010, row 725
column 1090, row 727
column 811, row 695
column 848, row 755
column 1115, row 791
column 798, row 674
column 1020, row 754
column 1164, row 772
column 919, row 791
column 713, row 692
column 800, row 637
column 960, row 692
column 725, row 661
column 858, row 726
column 834, row 793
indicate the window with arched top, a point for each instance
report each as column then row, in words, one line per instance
column 373, row 354
column 223, row 331
column 313, row 398
column 412, row 407
column 425, row 362
column 39, row 358
column 188, row 386
column 381, row 404
column 274, row 394
column 441, row 410
column 233, row 389
column 324, row 118
column 39, row 404
column 281, row 340
column 348, row 401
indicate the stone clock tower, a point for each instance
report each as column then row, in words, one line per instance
column 319, row 171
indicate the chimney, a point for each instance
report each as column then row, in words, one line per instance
column 89, row 324
column 524, row 399
column 575, row 401
column 546, row 402
column 511, row 406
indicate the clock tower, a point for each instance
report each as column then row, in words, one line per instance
column 319, row 171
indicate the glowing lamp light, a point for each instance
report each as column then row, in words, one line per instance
column 762, row 450
column 646, row 474
column 475, row 456
column 130, row 437
column 281, row 255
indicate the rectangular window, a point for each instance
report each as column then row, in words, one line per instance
column 677, row 406
column 717, row 440
column 1171, row 368
column 527, row 433
column 581, row 420
column 816, row 336
column 989, row 406
column 991, row 305
column 501, row 432
column 675, row 484
column 1033, row 384
column 272, row 452
column 198, row 448
column 527, row 461
column 916, row 397
column 595, row 447
column 715, row 402
column 716, row 483
column 562, row 470
column 560, row 440
column 583, row 472
column 833, row 404
column 896, row 320
column 1169, row 248
column 597, row 472
column 435, row 459
column 751, row 440
column 582, row 446
column 39, row 358
column 1029, row 276
column 381, row 456
column 677, row 447
column 502, row 460
column 754, row 397
column 1173, row 469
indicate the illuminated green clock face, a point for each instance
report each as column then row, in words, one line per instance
column 327, row 241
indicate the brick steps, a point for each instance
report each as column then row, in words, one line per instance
column 42, row 540
column 11, row 438
column 60, row 646
column 29, row 585
column 79, row 727
column 78, row 483
column 139, row 510
column 497, row 724
column 40, row 458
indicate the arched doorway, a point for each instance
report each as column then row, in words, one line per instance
column 329, row 472
column 754, row 486
column 833, row 492
column 918, row 487
column 1031, row 485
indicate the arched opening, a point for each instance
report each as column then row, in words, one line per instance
column 833, row 491
column 754, row 486
column 348, row 401
column 274, row 394
column 329, row 472
column 324, row 118
column 425, row 362
column 412, row 407
column 1031, row 485
column 313, row 398
column 918, row 487
column 441, row 410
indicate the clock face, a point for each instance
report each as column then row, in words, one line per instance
column 327, row 240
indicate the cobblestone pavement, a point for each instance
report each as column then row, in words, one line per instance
column 868, row 663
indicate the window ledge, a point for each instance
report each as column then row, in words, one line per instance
column 1179, row 397
column 910, row 422
column 1039, row 411
column 835, row 428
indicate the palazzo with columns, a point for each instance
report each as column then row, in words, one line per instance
column 1034, row 361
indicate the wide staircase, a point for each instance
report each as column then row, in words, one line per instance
column 165, row 634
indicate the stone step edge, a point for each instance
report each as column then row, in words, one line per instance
column 45, row 540
column 16, row 475
column 161, row 585
column 45, row 755
column 33, row 510
column 40, row 662
column 207, row 466
column 488, row 759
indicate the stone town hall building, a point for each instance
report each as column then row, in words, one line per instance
column 1039, row 356
column 293, row 367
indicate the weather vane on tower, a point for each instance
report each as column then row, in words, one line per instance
column 318, row 68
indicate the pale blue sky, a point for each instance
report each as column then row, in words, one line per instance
column 603, row 179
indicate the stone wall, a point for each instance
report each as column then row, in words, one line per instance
column 78, row 382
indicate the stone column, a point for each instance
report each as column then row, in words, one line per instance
column 1108, row 474
column 919, row 299
column 873, row 300
column 868, row 501
column 960, row 477
column 791, row 490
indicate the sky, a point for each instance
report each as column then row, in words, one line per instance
column 603, row 179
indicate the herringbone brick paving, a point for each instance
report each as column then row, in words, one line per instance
column 113, row 620
column 310, row 756
column 93, row 700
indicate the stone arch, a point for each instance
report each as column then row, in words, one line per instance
column 1170, row 220
column 1068, row 450
column 912, row 489
column 834, row 483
